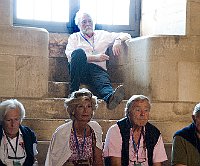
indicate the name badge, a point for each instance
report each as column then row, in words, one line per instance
column 138, row 164
column 16, row 163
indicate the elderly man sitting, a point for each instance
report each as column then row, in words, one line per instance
column 18, row 143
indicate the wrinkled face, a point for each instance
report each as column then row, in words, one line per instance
column 86, row 25
column 84, row 111
column 196, row 119
column 139, row 113
column 11, row 123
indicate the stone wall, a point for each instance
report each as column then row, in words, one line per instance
column 23, row 58
column 163, row 17
column 166, row 69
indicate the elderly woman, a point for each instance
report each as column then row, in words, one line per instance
column 79, row 141
column 18, row 143
column 133, row 141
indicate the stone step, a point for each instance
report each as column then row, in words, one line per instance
column 53, row 108
column 61, row 89
column 43, row 147
column 44, row 128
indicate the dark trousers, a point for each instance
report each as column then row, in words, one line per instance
column 92, row 75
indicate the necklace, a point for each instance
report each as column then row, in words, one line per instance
column 80, row 151
column 91, row 44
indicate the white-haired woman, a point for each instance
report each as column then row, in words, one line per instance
column 17, row 143
column 133, row 141
column 79, row 141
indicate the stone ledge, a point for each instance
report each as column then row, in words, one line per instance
column 44, row 128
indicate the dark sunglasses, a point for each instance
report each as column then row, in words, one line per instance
column 81, row 94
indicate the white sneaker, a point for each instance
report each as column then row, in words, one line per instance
column 116, row 98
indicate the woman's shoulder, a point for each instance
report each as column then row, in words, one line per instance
column 64, row 127
column 94, row 125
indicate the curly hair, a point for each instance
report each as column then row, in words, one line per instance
column 78, row 96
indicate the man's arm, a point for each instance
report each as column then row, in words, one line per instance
column 117, row 44
column 157, row 164
column 113, row 146
column 115, row 161
column 178, row 152
column 97, row 58
column 98, row 158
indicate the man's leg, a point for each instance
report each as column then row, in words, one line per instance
column 100, row 81
column 101, row 84
column 77, row 69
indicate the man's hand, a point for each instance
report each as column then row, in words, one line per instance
column 97, row 58
column 117, row 47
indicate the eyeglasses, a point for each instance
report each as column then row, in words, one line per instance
column 81, row 94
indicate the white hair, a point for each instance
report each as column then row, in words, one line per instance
column 9, row 105
column 132, row 100
column 196, row 109
column 80, row 14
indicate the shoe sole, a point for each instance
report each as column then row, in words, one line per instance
column 117, row 97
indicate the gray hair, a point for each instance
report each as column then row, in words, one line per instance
column 132, row 100
column 8, row 105
column 75, row 99
column 196, row 109
column 80, row 14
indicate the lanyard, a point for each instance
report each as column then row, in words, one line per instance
column 77, row 144
column 91, row 44
column 14, row 150
column 136, row 148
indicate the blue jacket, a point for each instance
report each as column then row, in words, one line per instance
column 29, row 139
column 189, row 134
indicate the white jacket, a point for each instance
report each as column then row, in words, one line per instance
column 59, row 150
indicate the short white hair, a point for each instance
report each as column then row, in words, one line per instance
column 196, row 109
column 80, row 14
column 9, row 105
column 132, row 100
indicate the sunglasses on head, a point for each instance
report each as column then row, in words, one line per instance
column 81, row 94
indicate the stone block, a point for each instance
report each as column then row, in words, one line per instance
column 171, row 111
column 50, row 108
column 24, row 41
column 168, row 129
column 57, row 44
column 25, row 50
column 31, row 76
column 7, row 75
column 155, row 65
column 5, row 14
column 58, row 89
column 43, row 128
column 193, row 20
column 189, row 85
column 58, row 69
